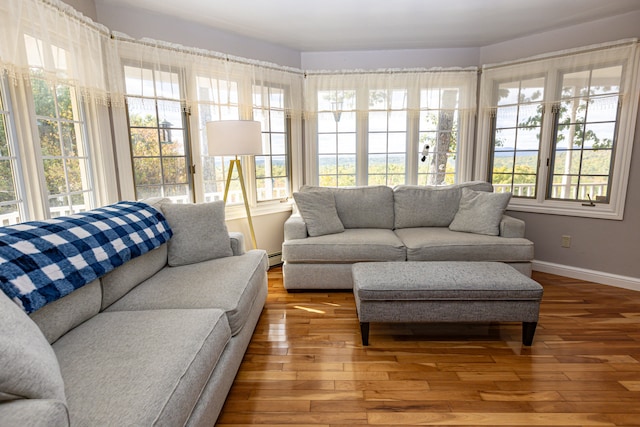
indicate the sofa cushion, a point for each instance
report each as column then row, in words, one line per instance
column 140, row 367
column 59, row 317
column 353, row 245
column 118, row 282
column 318, row 209
column 199, row 232
column 442, row 244
column 230, row 284
column 362, row 207
column 28, row 366
column 34, row 413
column 480, row 212
column 430, row 206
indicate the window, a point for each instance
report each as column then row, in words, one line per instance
column 585, row 135
column 337, row 138
column 65, row 158
column 561, row 130
column 439, row 129
column 387, row 137
column 62, row 133
column 157, row 124
column 271, row 168
column 11, row 204
column 517, row 123
column 372, row 129
column 217, row 100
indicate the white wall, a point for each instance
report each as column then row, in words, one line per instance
column 379, row 59
column 604, row 30
column 269, row 230
column 138, row 24
column 86, row 7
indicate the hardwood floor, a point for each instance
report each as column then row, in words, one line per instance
column 306, row 366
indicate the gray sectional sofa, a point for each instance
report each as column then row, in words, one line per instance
column 156, row 341
column 331, row 229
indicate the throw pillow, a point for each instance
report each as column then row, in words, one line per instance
column 199, row 232
column 480, row 212
column 318, row 209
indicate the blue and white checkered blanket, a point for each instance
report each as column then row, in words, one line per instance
column 41, row 261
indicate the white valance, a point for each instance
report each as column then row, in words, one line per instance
column 461, row 80
column 62, row 45
column 190, row 63
column 544, row 67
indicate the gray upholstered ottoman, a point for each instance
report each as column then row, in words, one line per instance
column 445, row 291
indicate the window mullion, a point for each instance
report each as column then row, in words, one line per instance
column 547, row 137
column 7, row 114
column 545, row 168
column 413, row 136
column 362, row 135
column 413, row 145
column 35, row 183
column 248, row 162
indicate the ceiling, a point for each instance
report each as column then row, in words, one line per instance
column 343, row 25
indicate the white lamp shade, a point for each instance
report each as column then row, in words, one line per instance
column 234, row 138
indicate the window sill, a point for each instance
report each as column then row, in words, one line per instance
column 237, row 211
column 555, row 207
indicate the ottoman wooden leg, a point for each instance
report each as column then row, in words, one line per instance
column 528, row 330
column 364, row 331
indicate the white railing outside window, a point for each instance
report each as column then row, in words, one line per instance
column 593, row 191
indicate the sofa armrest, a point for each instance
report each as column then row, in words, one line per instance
column 237, row 242
column 511, row 227
column 295, row 228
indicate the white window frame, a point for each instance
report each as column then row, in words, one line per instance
column 157, row 99
column 86, row 159
column 200, row 149
column 29, row 160
column 21, row 202
column 613, row 210
column 340, row 109
column 245, row 87
column 464, row 149
column 387, row 110
column 267, row 136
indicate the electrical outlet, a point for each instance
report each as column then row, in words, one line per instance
column 566, row 241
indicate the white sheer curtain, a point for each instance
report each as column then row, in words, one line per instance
column 357, row 118
column 68, row 47
column 413, row 81
column 566, row 60
column 55, row 39
column 186, row 63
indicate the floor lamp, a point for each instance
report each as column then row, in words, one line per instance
column 235, row 138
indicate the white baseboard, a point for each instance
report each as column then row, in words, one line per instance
column 275, row 259
column 601, row 277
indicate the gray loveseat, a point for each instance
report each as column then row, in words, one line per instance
column 156, row 341
column 463, row 222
